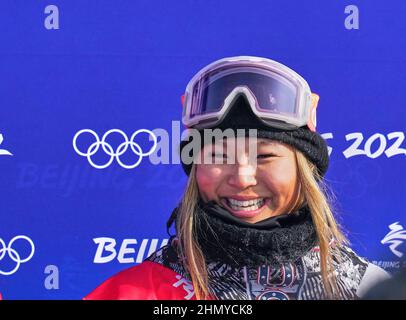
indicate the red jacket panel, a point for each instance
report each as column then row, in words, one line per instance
column 146, row 281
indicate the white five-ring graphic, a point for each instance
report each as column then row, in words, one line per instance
column 114, row 154
column 4, row 152
column 13, row 254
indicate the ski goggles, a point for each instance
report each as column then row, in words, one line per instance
column 278, row 96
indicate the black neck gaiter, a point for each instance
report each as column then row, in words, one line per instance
column 273, row 241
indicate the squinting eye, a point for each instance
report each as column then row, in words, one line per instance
column 267, row 155
column 218, row 155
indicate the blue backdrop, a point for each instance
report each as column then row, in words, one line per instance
column 104, row 65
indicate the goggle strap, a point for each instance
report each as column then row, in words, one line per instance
column 312, row 123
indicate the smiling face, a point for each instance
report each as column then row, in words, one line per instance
column 252, row 188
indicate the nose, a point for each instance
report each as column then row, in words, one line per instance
column 243, row 176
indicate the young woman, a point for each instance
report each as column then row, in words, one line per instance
column 251, row 224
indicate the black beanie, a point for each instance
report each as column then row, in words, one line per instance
column 311, row 144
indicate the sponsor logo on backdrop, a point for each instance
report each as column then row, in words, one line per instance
column 128, row 144
column 128, row 251
column 9, row 251
column 4, row 152
column 395, row 238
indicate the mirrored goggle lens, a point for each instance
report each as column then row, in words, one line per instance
column 272, row 93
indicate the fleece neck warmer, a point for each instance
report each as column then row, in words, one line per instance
column 273, row 241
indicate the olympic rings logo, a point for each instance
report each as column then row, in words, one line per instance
column 13, row 254
column 108, row 149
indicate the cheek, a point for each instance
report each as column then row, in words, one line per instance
column 282, row 176
column 208, row 178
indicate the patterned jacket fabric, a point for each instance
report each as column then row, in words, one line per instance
column 300, row 280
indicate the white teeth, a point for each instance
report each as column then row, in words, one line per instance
column 245, row 205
